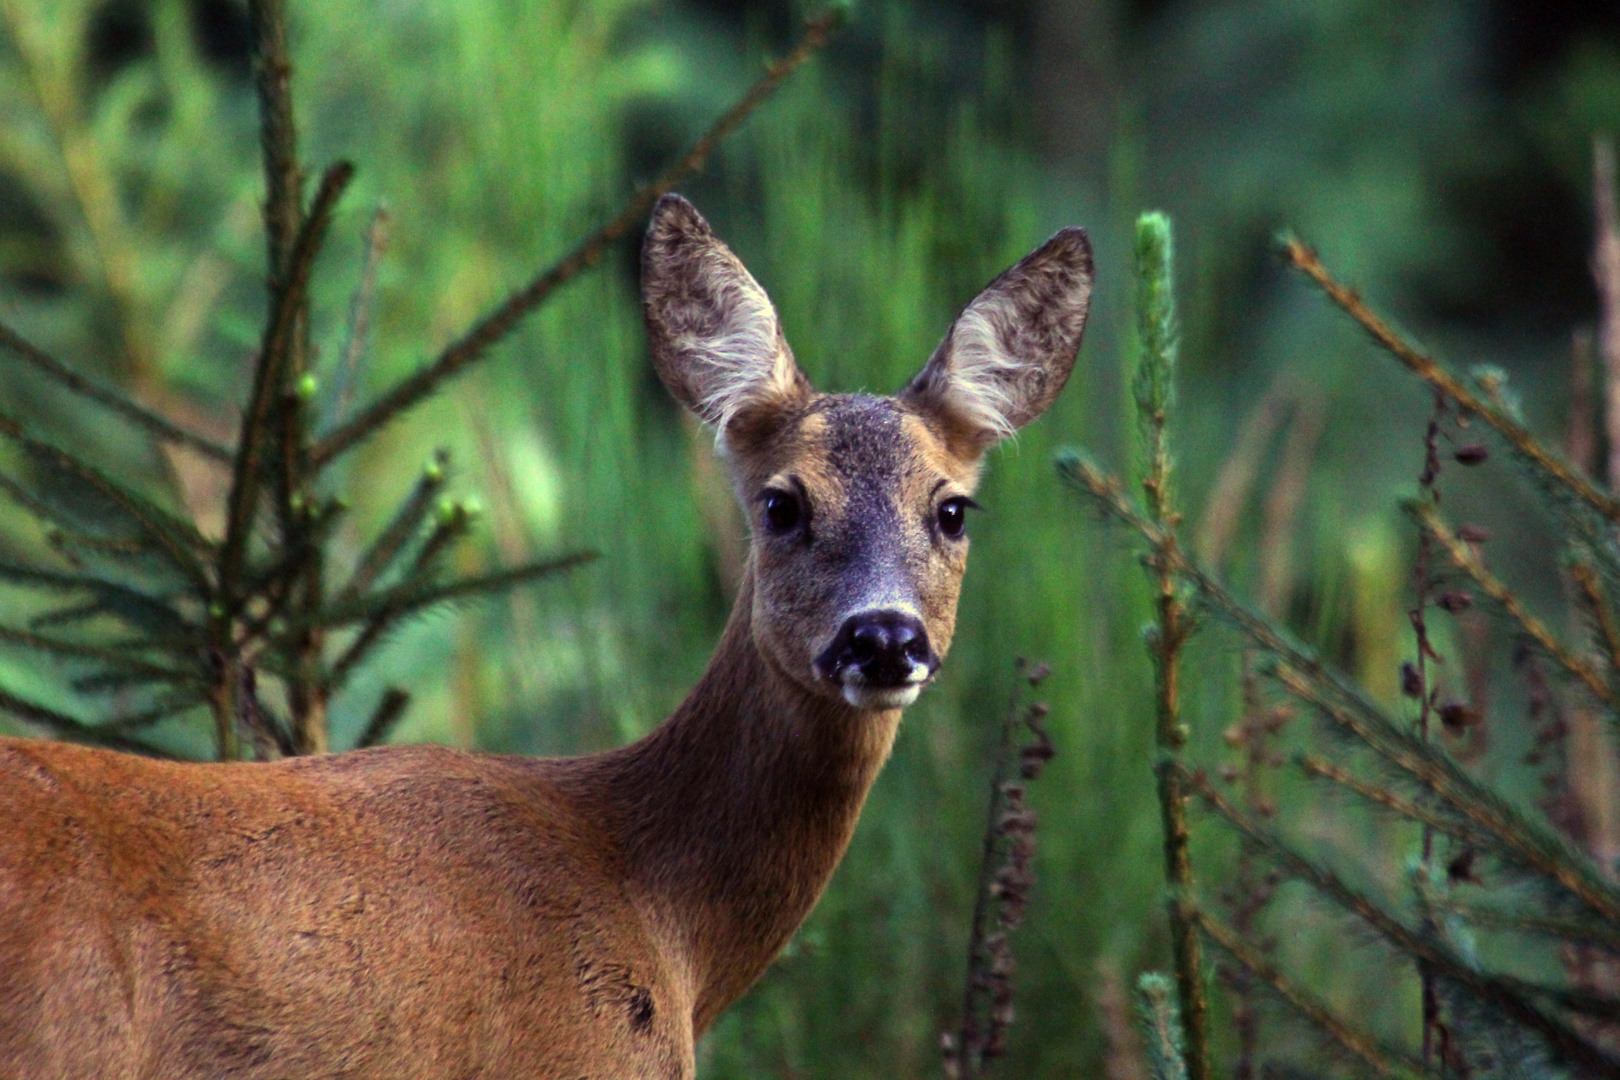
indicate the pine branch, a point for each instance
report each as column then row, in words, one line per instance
column 268, row 380
column 1495, row 992
column 411, row 598
column 1589, row 593
column 61, row 529
column 476, row 342
column 145, row 612
column 108, row 398
column 278, row 139
column 1464, row 559
column 1546, row 461
column 111, row 657
column 380, row 556
column 67, row 727
column 1161, row 1027
column 1303, row 675
column 1153, row 385
column 1381, row 1060
column 1407, row 808
column 1596, row 932
column 390, row 709
column 1523, row 841
column 178, row 539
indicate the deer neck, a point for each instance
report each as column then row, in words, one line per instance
column 734, row 813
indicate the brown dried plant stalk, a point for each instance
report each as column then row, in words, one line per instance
column 1006, row 875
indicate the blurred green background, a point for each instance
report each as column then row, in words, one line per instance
column 1438, row 154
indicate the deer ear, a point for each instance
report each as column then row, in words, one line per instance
column 715, row 338
column 1011, row 350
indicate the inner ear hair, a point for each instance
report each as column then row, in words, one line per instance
column 1010, row 352
column 716, row 340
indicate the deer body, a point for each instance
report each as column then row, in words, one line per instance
column 422, row 912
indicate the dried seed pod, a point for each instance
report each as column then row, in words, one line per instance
column 1461, row 868
column 1456, row 600
column 1411, row 681
column 1458, row 716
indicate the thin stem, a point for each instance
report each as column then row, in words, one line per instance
column 477, row 341
column 969, row 1060
column 1433, row 1029
column 1153, row 387
column 1425, row 367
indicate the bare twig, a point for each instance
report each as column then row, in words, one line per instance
column 1427, row 369
column 472, row 345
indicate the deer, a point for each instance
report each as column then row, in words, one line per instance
column 424, row 912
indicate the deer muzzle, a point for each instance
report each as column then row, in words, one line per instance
column 881, row 659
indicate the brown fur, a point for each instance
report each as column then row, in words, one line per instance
column 420, row 912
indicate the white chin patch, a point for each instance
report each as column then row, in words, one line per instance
column 878, row 698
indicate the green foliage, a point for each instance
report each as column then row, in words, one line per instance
column 1161, row 1026
column 1481, row 1014
column 1155, row 329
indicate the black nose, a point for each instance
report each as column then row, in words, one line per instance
column 883, row 646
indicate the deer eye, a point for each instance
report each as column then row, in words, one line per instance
column 782, row 511
column 952, row 516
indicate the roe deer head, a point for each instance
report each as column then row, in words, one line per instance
column 420, row 912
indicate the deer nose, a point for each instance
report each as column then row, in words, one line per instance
column 879, row 648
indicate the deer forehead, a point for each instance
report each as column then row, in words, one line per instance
column 858, row 456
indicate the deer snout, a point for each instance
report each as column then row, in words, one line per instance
column 881, row 659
